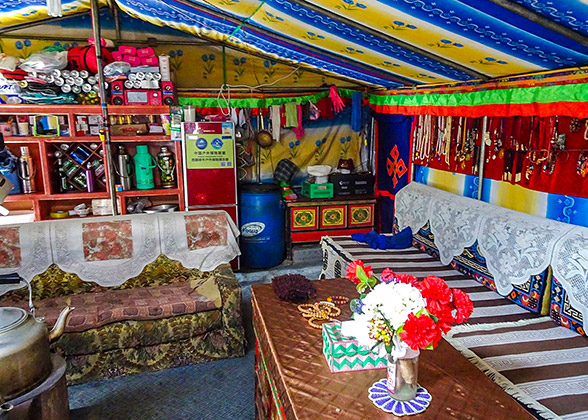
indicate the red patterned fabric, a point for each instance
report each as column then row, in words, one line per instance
column 107, row 240
column 9, row 247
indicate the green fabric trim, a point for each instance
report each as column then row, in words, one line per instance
column 258, row 102
column 541, row 94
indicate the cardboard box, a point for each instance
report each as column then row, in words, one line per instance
column 344, row 354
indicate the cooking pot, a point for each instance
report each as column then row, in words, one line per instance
column 25, row 361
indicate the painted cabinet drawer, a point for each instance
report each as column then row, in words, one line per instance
column 361, row 215
column 333, row 217
column 304, row 218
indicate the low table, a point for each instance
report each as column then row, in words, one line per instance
column 293, row 380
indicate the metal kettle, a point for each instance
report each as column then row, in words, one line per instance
column 25, row 361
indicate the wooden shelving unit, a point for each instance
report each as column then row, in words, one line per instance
column 48, row 198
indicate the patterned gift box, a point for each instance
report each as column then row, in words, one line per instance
column 344, row 354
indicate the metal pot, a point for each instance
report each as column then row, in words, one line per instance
column 25, row 360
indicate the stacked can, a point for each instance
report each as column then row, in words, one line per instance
column 80, row 83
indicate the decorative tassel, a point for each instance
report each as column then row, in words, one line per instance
column 338, row 104
column 54, row 8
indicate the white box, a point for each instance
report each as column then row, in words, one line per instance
column 164, row 68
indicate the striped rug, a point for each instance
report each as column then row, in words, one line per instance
column 539, row 363
column 489, row 306
column 542, row 365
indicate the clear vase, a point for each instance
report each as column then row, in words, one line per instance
column 403, row 375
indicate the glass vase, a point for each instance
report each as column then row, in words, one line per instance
column 403, row 375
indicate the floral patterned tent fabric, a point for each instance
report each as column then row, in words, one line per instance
column 377, row 42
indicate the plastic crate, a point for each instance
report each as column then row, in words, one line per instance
column 317, row 190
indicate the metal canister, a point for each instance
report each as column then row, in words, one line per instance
column 84, row 74
column 140, row 75
column 167, row 168
column 26, row 171
column 156, row 76
column 137, row 84
column 86, row 87
column 65, row 74
column 74, row 73
column 124, row 169
column 70, row 81
column 56, row 73
column 78, row 81
column 66, row 88
column 92, row 80
column 129, row 84
column 59, row 81
column 132, row 77
column 76, row 89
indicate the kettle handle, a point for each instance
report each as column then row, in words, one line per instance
column 12, row 278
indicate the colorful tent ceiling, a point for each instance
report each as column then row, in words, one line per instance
column 384, row 43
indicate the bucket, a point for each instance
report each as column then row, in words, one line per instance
column 261, row 213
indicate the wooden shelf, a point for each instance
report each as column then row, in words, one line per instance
column 77, row 195
column 149, row 193
column 23, row 197
column 43, row 149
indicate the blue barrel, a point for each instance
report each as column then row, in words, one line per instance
column 261, row 214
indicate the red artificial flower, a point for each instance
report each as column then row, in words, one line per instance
column 445, row 319
column 434, row 288
column 420, row 332
column 388, row 276
column 406, row 278
column 463, row 305
column 352, row 271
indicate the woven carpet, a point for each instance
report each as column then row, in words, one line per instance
column 489, row 306
column 542, row 365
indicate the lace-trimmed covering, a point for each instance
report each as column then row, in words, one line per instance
column 517, row 245
column 106, row 250
column 199, row 239
column 24, row 249
column 412, row 205
column 570, row 267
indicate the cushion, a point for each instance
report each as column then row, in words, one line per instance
column 562, row 311
column 141, row 304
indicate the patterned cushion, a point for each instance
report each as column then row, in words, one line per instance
column 562, row 311
column 147, row 303
column 533, row 295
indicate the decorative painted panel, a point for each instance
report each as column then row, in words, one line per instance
column 361, row 215
column 333, row 217
column 304, row 218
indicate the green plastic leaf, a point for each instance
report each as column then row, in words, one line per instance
column 372, row 281
column 360, row 272
column 360, row 287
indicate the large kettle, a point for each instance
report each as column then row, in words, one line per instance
column 25, row 361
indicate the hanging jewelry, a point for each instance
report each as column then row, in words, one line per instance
column 574, row 125
column 582, row 167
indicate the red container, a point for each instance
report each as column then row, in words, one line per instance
column 134, row 61
column 145, row 52
column 149, row 61
column 84, row 58
column 117, row 56
column 127, row 50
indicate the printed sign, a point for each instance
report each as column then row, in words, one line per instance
column 209, row 151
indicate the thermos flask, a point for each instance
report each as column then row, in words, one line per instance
column 144, row 165
column 26, row 171
column 124, row 168
column 90, row 178
column 166, row 166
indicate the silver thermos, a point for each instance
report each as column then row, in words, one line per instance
column 26, row 171
column 124, row 168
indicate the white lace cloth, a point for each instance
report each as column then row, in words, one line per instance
column 517, row 245
column 570, row 267
column 412, row 205
column 455, row 223
column 193, row 238
column 79, row 249
column 35, row 253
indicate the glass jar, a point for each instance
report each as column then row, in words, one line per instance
column 402, row 376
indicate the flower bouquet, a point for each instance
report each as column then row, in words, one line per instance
column 399, row 315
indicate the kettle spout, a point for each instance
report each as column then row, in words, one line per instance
column 59, row 326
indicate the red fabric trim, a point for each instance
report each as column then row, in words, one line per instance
column 572, row 109
column 385, row 194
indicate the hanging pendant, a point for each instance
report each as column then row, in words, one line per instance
column 582, row 167
column 575, row 125
column 501, row 154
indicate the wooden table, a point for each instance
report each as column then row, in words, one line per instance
column 293, row 380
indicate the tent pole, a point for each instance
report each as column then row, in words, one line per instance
column 482, row 160
column 105, row 120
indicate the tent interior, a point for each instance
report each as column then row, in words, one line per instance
column 436, row 144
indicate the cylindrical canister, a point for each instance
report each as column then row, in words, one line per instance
column 144, row 165
column 26, row 171
column 90, row 178
column 124, row 169
column 167, row 168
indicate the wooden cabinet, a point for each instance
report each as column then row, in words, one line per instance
column 310, row 219
column 73, row 138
